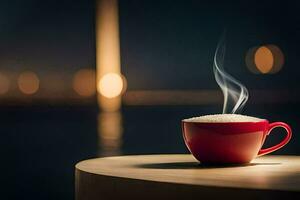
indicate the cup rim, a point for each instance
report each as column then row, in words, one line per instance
column 244, row 122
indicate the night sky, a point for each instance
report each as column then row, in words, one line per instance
column 164, row 44
column 171, row 44
column 46, row 35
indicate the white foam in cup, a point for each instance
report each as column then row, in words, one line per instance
column 223, row 118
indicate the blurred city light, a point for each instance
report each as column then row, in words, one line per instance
column 84, row 82
column 4, row 84
column 278, row 58
column 172, row 97
column 110, row 85
column 266, row 59
column 263, row 59
column 28, row 82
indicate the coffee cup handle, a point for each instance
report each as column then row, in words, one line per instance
column 282, row 143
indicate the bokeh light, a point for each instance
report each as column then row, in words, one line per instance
column 28, row 82
column 110, row 85
column 278, row 58
column 4, row 84
column 124, row 84
column 266, row 59
column 263, row 59
column 84, row 82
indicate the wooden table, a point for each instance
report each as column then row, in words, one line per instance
column 182, row 177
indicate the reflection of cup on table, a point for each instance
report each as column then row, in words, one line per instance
column 229, row 138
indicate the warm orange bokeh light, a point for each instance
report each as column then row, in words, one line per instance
column 278, row 58
column 4, row 84
column 28, row 82
column 110, row 85
column 84, row 82
column 264, row 59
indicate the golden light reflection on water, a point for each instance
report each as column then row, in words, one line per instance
column 110, row 131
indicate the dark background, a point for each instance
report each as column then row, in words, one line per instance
column 164, row 45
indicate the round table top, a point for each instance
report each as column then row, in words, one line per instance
column 264, row 173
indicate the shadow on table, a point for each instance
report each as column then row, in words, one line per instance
column 196, row 165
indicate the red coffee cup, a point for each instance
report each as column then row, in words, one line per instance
column 230, row 142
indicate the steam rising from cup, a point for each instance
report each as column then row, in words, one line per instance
column 235, row 94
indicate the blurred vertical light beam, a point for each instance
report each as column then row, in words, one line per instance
column 108, row 54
